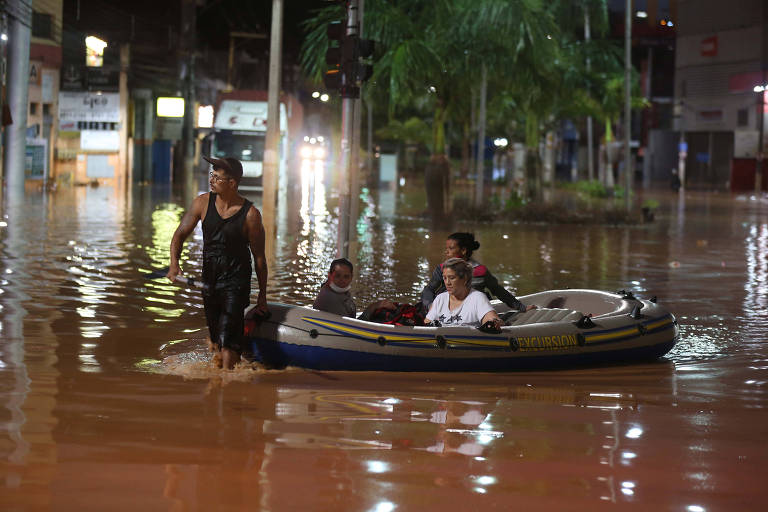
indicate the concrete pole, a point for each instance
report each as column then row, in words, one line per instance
column 761, row 109
column 682, row 149
column 347, row 115
column 628, row 171
column 480, row 174
column 354, row 175
column 590, row 140
column 19, row 35
column 187, row 59
column 354, row 160
column 125, row 164
column 271, row 165
column 347, row 122
column 372, row 178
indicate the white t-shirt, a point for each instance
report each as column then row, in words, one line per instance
column 470, row 312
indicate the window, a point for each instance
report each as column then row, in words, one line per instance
column 742, row 117
column 33, row 109
column 46, row 109
column 42, row 25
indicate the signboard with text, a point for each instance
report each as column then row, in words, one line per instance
column 88, row 106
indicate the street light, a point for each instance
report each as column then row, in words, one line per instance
column 94, row 51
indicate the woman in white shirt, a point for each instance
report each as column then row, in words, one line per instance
column 460, row 304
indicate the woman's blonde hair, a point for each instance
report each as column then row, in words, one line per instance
column 461, row 267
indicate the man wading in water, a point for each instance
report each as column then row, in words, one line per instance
column 231, row 226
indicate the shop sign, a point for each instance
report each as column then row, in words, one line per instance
column 89, row 106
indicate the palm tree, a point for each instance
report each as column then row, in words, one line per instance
column 517, row 42
column 429, row 52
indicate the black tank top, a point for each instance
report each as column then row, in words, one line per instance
column 226, row 255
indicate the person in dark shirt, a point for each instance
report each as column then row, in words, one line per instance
column 462, row 245
column 232, row 233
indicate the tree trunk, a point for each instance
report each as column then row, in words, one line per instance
column 532, row 157
column 438, row 172
column 465, row 153
column 480, row 173
column 437, row 182
column 610, row 159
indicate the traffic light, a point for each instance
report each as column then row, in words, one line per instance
column 364, row 50
column 333, row 55
column 359, row 71
column 343, row 57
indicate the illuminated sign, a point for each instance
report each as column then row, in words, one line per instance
column 205, row 116
column 94, row 51
column 170, row 107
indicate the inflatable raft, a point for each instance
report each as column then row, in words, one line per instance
column 586, row 327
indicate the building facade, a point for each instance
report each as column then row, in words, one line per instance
column 45, row 58
column 720, row 58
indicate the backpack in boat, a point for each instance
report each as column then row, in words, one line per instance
column 403, row 314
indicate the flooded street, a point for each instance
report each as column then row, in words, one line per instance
column 108, row 399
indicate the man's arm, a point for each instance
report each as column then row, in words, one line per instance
column 186, row 226
column 256, row 242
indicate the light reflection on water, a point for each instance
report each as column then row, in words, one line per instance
column 104, row 373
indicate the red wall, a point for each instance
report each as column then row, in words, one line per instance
column 743, row 175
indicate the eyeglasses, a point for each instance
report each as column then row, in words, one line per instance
column 218, row 179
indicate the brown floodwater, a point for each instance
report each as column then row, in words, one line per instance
column 109, row 401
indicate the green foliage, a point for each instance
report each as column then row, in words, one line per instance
column 651, row 204
column 593, row 188
column 412, row 131
column 515, row 200
column 430, row 56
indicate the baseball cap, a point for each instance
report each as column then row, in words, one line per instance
column 231, row 166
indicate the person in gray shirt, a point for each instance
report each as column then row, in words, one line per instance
column 334, row 296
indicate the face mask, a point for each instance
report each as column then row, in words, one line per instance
column 338, row 289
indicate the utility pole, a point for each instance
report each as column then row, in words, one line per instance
column 761, row 107
column 125, row 162
column 347, row 122
column 272, row 142
column 187, row 62
column 354, row 161
column 628, row 172
column 372, row 177
column 590, row 141
column 19, row 35
column 682, row 148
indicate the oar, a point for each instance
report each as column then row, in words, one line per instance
column 156, row 274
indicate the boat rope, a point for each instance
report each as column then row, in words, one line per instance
column 440, row 340
column 308, row 331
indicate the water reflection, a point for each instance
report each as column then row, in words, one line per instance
column 91, row 409
column 756, row 286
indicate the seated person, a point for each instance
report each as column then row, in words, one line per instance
column 334, row 296
column 462, row 245
column 460, row 304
